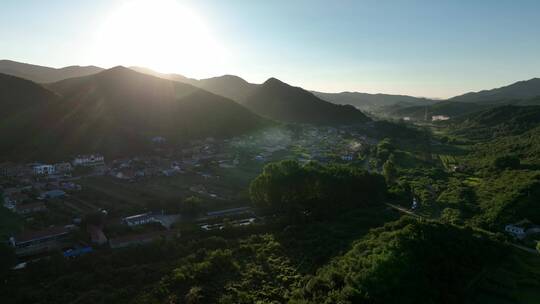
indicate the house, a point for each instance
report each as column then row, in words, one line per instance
column 439, row 117
column 414, row 205
column 34, row 242
column 347, row 157
column 30, row 208
column 90, row 160
column 43, row 169
column 63, row 168
column 139, row 219
column 515, row 231
column 198, row 189
column 151, row 217
column 159, row 140
column 125, row 174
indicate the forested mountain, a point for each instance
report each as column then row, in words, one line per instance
column 497, row 121
column 373, row 102
column 44, row 74
column 279, row 101
column 117, row 111
column 520, row 90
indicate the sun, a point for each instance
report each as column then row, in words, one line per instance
column 161, row 35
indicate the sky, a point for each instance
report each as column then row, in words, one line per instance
column 430, row 48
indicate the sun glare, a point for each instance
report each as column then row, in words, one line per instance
column 161, row 35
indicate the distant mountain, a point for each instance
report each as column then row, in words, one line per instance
column 230, row 86
column 280, row 101
column 42, row 74
column 175, row 77
column 517, row 91
column 372, row 102
column 117, row 111
column 451, row 109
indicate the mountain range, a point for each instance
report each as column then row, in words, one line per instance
column 373, row 102
column 517, row 91
column 115, row 112
column 282, row 102
column 42, row 74
column 273, row 99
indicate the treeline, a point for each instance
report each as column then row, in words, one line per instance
column 289, row 188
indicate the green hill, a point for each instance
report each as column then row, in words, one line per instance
column 497, row 121
column 280, row 101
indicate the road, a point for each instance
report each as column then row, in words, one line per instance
column 409, row 212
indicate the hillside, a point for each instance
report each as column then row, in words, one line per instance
column 27, row 109
column 497, row 121
column 519, row 90
column 42, row 74
column 372, row 102
column 117, row 111
column 280, row 101
column 230, row 86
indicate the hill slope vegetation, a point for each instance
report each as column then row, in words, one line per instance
column 280, row 101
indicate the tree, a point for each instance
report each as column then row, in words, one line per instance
column 289, row 188
column 7, row 258
column 384, row 149
column 538, row 246
column 389, row 171
column 192, row 206
column 450, row 215
column 507, row 162
column 194, row 296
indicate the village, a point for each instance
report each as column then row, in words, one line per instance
column 89, row 202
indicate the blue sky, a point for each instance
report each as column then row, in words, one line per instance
column 421, row 48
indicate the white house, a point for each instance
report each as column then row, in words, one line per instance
column 42, row 169
column 139, row 219
column 89, row 160
column 439, row 117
